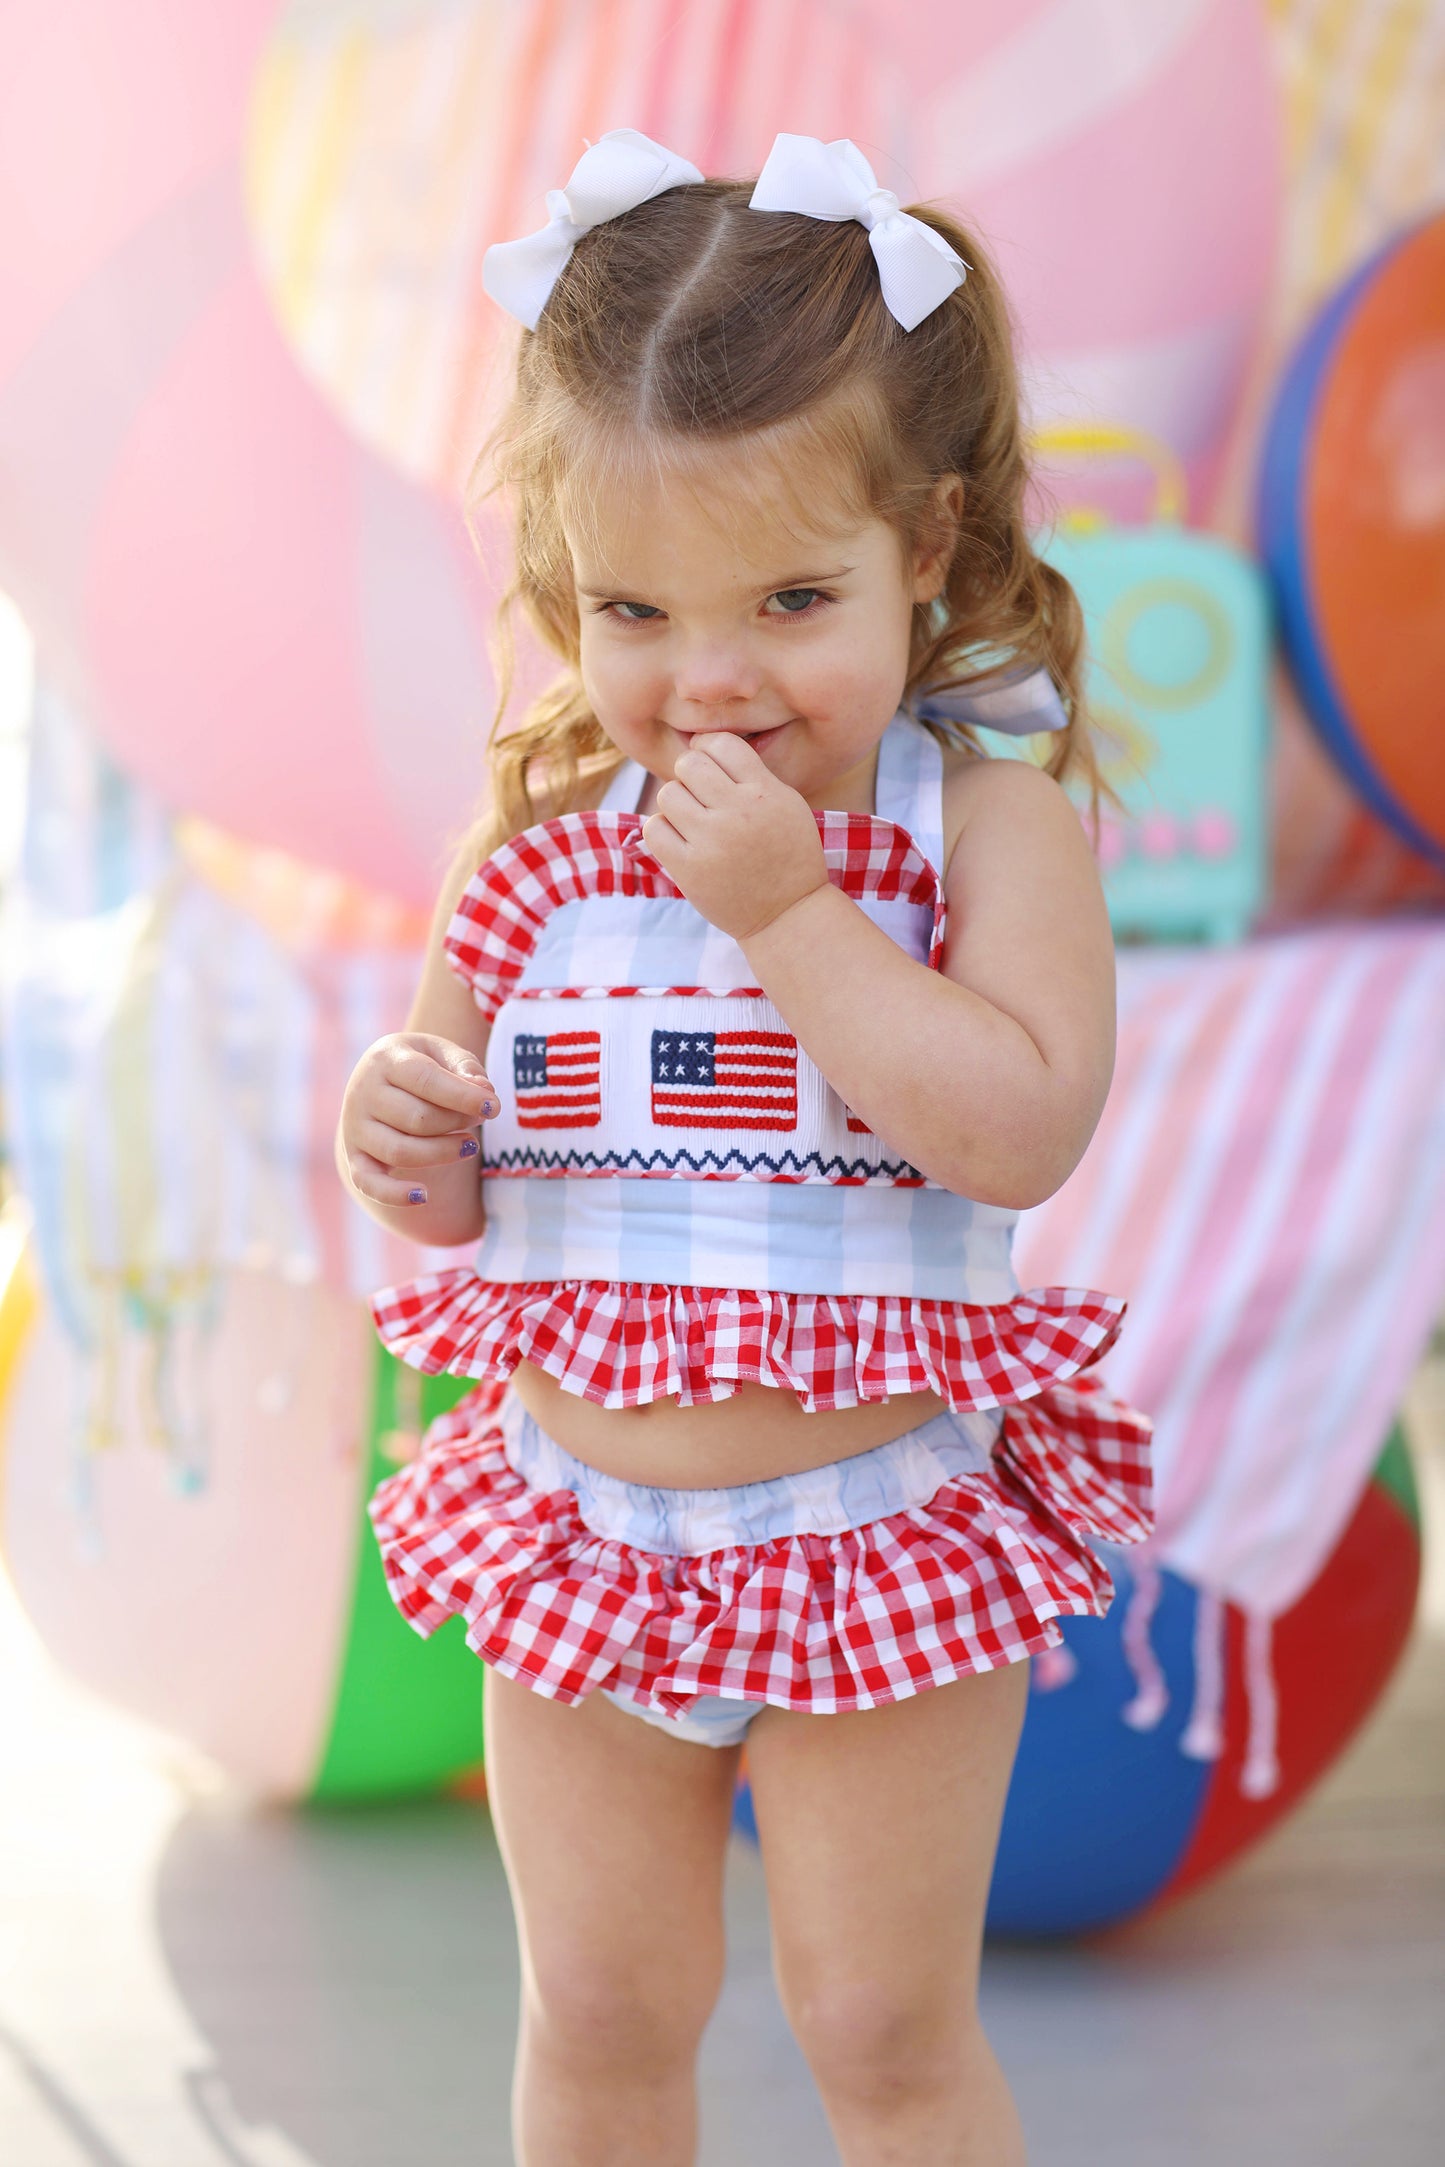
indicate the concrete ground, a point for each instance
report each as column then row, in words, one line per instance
column 189, row 1981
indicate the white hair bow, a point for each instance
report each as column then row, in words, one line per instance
column 916, row 267
column 1016, row 702
column 620, row 170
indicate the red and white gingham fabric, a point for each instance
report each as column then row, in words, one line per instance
column 622, row 1344
column 501, row 912
column 975, row 1578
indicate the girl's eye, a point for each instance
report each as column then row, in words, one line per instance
column 634, row 613
column 797, row 601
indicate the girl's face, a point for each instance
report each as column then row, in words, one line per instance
column 714, row 608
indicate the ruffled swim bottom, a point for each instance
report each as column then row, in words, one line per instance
column 951, row 1550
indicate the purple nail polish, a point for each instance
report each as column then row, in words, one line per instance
column 416, row 1196
column 470, row 1147
column 489, row 1107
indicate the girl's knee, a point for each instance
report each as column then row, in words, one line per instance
column 864, row 2039
column 602, row 2018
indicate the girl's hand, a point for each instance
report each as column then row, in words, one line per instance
column 413, row 1101
column 742, row 846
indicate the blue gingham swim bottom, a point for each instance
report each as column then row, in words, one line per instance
column 826, row 1500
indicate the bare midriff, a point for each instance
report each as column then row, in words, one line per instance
column 757, row 1434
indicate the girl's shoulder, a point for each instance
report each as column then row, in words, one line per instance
column 993, row 795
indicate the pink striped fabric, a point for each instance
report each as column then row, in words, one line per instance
column 1267, row 1190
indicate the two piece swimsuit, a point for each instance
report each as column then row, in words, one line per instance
column 679, row 1202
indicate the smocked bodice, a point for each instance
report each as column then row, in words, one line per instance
column 662, row 1121
column 677, row 1198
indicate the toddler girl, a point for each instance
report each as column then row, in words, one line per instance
column 762, row 1007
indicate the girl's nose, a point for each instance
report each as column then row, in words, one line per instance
column 714, row 677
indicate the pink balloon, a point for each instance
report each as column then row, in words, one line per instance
column 1137, row 231
column 263, row 620
column 938, row 44
column 286, row 637
column 108, row 116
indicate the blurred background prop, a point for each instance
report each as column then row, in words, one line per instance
column 1178, row 689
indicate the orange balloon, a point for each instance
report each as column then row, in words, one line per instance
column 1375, row 518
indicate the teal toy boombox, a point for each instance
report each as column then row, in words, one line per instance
column 1178, row 692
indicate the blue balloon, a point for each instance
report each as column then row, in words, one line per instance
column 1099, row 1815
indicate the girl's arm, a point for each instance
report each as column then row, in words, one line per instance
column 990, row 1076
column 410, row 1081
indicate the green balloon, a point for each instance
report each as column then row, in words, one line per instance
column 408, row 1712
column 1395, row 1475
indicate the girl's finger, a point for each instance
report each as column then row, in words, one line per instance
column 677, row 805
column 403, row 1110
column 663, row 840
column 733, row 754
column 393, row 1147
column 370, row 1178
column 706, row 777
column 412, row 1068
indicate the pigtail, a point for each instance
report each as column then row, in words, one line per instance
column 557, row 757
column 1002, row 602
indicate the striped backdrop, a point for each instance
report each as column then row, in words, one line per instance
column 1364, row 87
column 1267, row 1188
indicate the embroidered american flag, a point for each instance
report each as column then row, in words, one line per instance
column 558, row 1079
column 724, row 1080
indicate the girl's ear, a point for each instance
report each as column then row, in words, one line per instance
column 938, row 538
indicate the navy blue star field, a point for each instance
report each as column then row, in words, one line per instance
column 724, row 1079
column 557, row 1077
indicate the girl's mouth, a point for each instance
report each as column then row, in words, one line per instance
column 756, row 738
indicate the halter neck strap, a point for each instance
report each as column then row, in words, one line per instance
column 624, row 792
column 909, row 785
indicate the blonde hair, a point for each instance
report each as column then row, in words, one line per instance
column 691, row 320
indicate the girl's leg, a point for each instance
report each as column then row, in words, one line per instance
column 878, row 1833
column 614, row 1838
